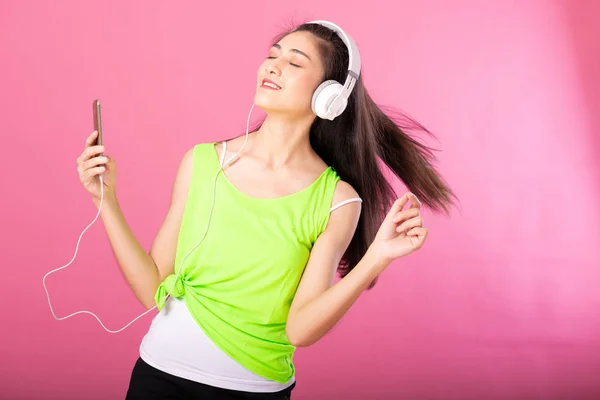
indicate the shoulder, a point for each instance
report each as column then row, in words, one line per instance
column 195, row 153
column 188, row 156
column 183, row 176
column 343, row 191
column 230, row 146
column 187, row 164
column 343, row 220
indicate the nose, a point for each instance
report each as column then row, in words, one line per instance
column 272, row 67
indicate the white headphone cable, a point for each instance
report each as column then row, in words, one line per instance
column 180, row 265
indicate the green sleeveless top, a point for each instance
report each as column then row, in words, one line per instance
column 239, row 283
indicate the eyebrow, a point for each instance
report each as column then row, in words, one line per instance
column 277, row 46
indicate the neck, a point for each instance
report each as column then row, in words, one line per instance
column 282, row 140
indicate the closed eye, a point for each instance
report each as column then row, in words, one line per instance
column 291, row 63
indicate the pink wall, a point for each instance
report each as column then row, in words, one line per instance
column 502, row 303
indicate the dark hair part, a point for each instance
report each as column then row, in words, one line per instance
column 354, row 142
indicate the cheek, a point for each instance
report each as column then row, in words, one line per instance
column 304, row 86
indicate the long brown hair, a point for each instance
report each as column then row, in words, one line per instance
column 355, row 142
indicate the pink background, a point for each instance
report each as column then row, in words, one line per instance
column 503, row 302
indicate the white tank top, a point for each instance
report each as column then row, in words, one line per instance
column 176, row 344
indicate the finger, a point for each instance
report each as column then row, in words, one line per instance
column 420, row 234
column 417, row 231
column 397, row 206
column 406, row 214
column 414, row 201
column 94, row 161
column 91, row 152
column 91, row 139
column 90, row 173
column 411, row 223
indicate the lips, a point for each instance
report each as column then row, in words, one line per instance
column 269, row 84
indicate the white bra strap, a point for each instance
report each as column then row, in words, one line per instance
column 342, row 203
column 223, row 153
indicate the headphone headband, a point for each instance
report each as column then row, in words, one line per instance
column 353, row 53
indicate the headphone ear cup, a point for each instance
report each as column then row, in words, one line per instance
column 324, row 96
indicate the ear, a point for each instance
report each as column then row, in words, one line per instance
column 324, row 96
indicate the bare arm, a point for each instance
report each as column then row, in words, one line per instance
column 318, row 305
column 145, row 271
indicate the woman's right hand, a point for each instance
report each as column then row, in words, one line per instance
column 90, row 166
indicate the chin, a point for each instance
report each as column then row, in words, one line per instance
column 274, row 107
column 268, row 105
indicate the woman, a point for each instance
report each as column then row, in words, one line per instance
column 283, row 219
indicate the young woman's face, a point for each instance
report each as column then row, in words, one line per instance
column 289, row 75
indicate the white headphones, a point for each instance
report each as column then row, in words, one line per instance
column 331, row 97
